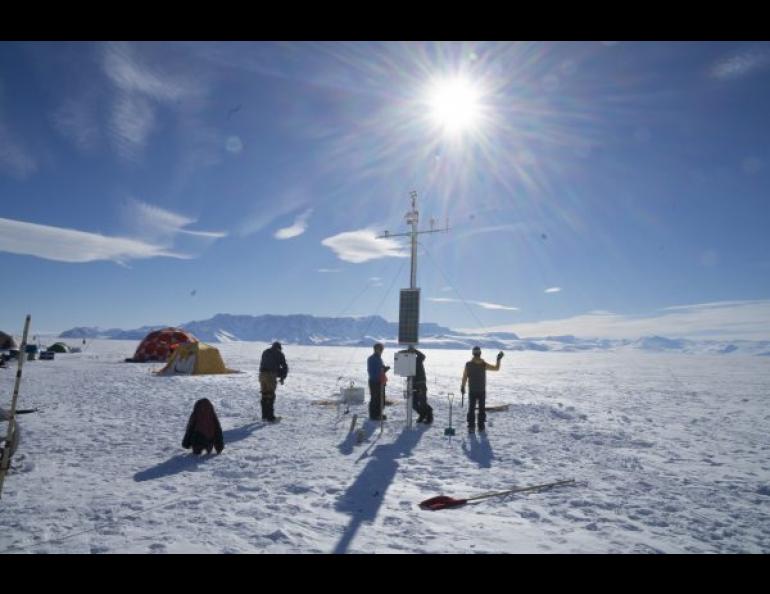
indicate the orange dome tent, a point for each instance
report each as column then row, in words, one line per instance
column 159, row 344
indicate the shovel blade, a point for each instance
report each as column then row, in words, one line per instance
column 441, row 502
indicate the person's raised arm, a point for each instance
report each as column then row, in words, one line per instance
column 496, row 367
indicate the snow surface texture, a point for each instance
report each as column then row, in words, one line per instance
column 671, row 454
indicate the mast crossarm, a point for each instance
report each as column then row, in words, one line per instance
column 410, row 234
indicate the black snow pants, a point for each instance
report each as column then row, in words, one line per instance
column 420, row 403
column 376, row 400
column 475, row 398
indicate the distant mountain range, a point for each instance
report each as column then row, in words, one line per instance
column 364, row 331
column 292, row 329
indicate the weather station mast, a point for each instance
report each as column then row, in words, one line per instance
column 405, row 362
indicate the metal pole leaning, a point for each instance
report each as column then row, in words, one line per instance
column 450, row 430
column 409, row 400
column 382, row 406
column 6, row 459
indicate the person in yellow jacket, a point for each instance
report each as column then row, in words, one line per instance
column 475, row 376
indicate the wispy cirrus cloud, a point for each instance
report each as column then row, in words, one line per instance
column 267, row 210
column 139, row 86
column 741, row 64
column 129, row 73
column 328, row 270
column 154, row 231
column 297, row 228
column 484, row 304
column 15, row 158
column 152, row 221
column 713, row 306
column 363, row 245
column 132, row 121
column 553, row 290
column 506, row 228
column 77, row 120
column 729, row 320
column 70, row 245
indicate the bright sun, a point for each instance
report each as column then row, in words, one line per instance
column 454, row 105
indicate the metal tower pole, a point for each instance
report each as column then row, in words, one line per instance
column 412, row 218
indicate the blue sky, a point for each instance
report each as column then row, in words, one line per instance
column 593, row 188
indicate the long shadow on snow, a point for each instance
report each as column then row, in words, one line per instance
column 363, row 498
column 346, row 447
column 178, row 463
column 480, row 451
column 188, row 461
column 239, row 433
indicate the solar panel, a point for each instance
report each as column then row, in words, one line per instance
column 409, row 316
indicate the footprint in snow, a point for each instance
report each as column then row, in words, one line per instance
column 278, row 536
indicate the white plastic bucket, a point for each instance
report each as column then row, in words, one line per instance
column 352, row 395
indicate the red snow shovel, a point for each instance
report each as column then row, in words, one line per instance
column 444, row 501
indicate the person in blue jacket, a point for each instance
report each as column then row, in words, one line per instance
column 377, row 380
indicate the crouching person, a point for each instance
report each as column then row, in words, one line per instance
column 203, row 429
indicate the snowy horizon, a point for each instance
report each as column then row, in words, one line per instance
column 734, row 320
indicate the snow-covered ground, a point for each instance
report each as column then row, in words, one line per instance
column 671, row 454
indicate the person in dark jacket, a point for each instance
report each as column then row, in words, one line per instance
column 377, row 380
column 420, row 387
column 475, row 375
column 272, row 370
column 203, row 429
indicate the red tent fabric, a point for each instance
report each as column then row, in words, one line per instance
column 159, row 344
column 6, row 341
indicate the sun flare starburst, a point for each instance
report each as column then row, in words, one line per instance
column 454, row 104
